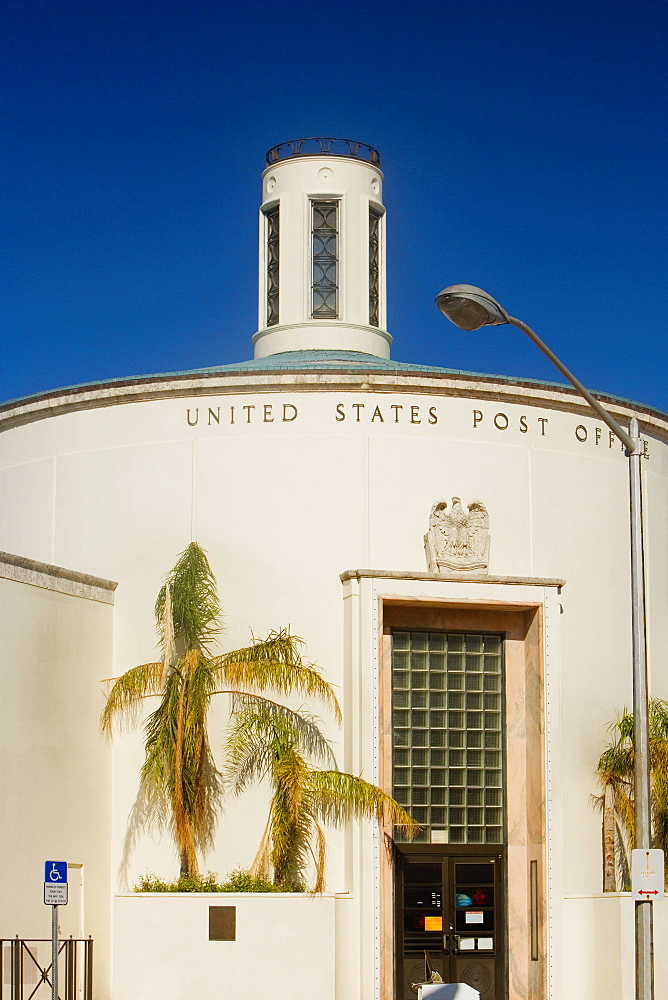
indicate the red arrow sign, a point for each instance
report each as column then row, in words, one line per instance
column 648, row 892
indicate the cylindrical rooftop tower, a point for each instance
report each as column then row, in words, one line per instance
column 322, row 249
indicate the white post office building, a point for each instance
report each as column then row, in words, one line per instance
column 454, row 548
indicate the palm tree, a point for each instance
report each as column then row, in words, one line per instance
column 615, row 777
column 262, row 745
column 180, row 785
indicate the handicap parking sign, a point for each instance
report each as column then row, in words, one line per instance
column 55, row 872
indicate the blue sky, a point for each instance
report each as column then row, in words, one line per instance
column 524, row 146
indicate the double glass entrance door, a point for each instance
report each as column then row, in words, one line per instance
column 451, row 905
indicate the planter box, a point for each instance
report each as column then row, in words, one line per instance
column 283, row 946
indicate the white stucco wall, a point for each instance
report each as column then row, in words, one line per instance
column 282, row 948
column 162, row 947
column 599, row 950
column 55, row 772
column 347, row 480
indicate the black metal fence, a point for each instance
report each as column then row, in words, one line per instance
column 26, row 969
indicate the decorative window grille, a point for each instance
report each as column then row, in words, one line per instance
column 374, row 265
column 447, row 725
column 325, row 240
column 272, row 217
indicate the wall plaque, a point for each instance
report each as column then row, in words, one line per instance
column 222, row 923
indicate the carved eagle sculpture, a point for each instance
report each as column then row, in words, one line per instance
column 457, row 540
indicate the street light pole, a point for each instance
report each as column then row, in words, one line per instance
column 471, row 308
column 641, row 796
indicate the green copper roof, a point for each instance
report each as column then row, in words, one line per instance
column 314, row 360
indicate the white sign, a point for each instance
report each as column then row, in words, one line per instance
column 474, row 917
column 647, row 874
column 54, row 894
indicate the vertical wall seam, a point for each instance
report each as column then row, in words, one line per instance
column 376, row 781
column 530, row 490
column 367, row 499
column 52, row 555
column 193, row 491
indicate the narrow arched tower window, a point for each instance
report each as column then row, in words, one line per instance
column 374, row 266
column 325, row 259
column 272, row 226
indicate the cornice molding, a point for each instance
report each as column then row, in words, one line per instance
column 57, row 578
column 515, row 581
column 437, row 384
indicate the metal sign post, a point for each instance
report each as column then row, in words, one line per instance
column 55, row 895
column 54, row 952
column 647, row 886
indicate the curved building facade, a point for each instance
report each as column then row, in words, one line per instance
column 454, row 547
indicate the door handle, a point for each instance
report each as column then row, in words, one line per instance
column 455, row 943
column 446, row 939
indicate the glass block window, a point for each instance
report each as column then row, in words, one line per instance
column 325, row 250
column 272, row 217
column 374, row 265
column 447, row 734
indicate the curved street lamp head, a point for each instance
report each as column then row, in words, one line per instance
column 470, row 308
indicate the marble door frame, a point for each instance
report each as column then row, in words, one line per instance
column 526, row 903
